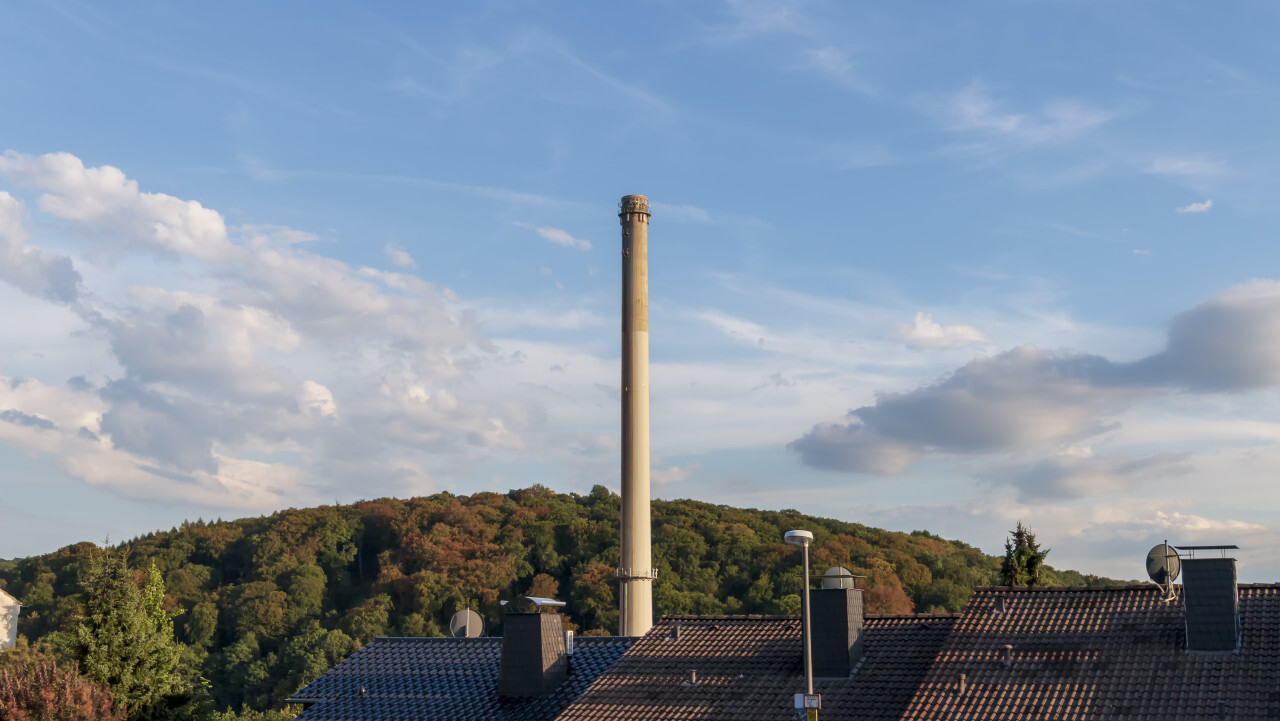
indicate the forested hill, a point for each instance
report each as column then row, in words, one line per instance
column 267, row 604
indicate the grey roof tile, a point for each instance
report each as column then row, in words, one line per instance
column 416, row 679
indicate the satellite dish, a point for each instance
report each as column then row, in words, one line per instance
column 1163, row 564
column 837, row 577
column 466, row 624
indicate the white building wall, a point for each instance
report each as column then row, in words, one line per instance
column 9, row 608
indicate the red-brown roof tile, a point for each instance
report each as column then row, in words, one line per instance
column 750, row 667
column 1100, row 653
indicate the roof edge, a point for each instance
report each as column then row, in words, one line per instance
column 778, row 617
column 1066, row 589
column 576, row 638
column 918, row 616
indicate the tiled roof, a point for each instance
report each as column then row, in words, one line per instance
column 412, row 679
column 1100, row 653
column 750, row 667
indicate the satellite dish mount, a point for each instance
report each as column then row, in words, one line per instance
column 466, row 624
column 1163, row 566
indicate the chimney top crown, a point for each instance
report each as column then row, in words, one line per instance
column 633, row 204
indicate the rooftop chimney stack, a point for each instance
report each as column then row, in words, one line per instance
column 635, row 574
column 836, row 615
column 1210, row 601
column 533, row 661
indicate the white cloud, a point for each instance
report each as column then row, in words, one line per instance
column 557, row 236
column 399, row 256
column 1201, row 207
column 316, row 399
column 1033, row 401
column 30, row 269
column 356, row 373
column 926, row 334
column 673, row 474
column 1230, row 342
column 104, row 199
column 1023, row 398
column 1141, row 251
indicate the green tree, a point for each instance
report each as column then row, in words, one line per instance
column 1023, row 560
column 124, row 641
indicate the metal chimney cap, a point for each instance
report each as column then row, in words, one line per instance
column 798, row 538
column 531, row 604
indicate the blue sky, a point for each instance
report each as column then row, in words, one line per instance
column 929, row 265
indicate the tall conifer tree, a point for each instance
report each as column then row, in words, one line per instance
column 1023, row 559
column 124, row 641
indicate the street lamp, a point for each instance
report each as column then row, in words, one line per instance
column 809, row 702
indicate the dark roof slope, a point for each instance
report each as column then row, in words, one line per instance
column 412, row 679
column 750, row 667
column 1100, row 653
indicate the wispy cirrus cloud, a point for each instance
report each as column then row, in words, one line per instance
column 557, row 236
column 974, row 110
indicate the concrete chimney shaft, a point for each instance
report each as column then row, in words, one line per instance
column 636, row 574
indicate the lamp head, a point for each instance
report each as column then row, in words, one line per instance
column 798, row 538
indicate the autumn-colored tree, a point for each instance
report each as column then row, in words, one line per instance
column 44, row 692
column 263, row 604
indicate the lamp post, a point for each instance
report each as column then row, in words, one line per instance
column 809, row 702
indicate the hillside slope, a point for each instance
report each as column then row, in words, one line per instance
column 267, row 604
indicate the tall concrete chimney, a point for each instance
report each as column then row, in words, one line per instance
column 636, row 574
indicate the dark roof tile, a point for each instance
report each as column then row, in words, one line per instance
column 413, row 679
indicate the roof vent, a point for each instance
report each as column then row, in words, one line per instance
column 1210, row 600
column 534, row 659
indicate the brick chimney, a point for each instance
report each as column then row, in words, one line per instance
column 534, row 661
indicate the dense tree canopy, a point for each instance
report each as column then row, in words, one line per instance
column 265, row 605
column 1023, row 563
column 123, row 640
